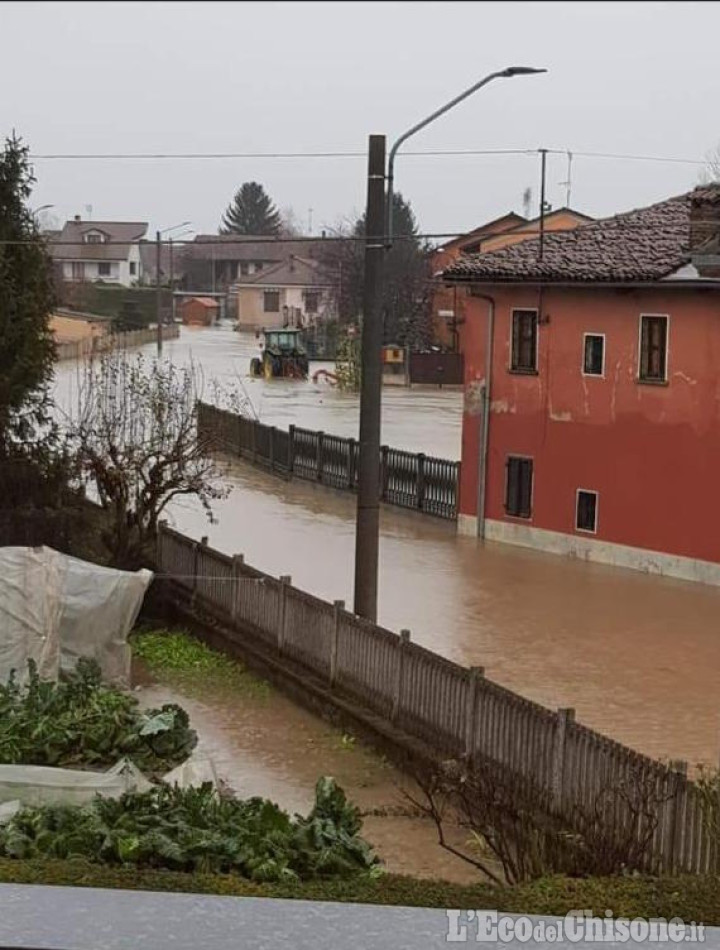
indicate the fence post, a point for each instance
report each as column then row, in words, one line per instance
column 678, row 775
column 421, row 481
column 254, row 440
column 285, row 581
column 237, row 565
column 564, row 716
column 402, row 645
column 272, row 448
column 291, row 450
column 339, row 606
column 319, row 458
column 384, row 474
column 474, row 674
column 196, row 566
column 351, row 464
column 159, row 544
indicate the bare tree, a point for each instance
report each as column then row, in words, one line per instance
column 511, row 821
column 711, row 172
column 135, row 439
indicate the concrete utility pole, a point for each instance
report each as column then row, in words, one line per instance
column 368, row 501
column 158, row 294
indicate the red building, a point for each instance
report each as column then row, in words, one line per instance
column 599, row 357
column 511, row 228
column 199, row 311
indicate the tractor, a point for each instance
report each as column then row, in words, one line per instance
column 283, row 356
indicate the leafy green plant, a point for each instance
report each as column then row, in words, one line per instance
column 81, row 723
column 196, row 829
column 181, row 660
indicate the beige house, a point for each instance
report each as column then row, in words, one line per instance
column 294, row 292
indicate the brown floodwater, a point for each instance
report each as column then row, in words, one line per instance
column 263, row 744
column 637, row 656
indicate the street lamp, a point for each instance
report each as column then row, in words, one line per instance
column 368, row 497
column 502, row 74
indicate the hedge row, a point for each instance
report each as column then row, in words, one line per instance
column 693, row 898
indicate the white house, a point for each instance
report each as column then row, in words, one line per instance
column 105, row 251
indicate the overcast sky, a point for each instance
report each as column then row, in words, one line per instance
column 630, row 78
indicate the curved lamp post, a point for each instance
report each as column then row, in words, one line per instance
column 502, row 74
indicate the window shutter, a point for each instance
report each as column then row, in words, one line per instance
column 515, row 360
column 525, row 488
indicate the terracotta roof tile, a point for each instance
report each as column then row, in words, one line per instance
column 642, row 245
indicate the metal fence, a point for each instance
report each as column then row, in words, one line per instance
column 409, row 480
column 457, row 711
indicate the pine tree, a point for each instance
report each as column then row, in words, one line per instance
column 27, row 348
column 251, row 212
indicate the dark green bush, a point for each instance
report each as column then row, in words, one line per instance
column 81, row 723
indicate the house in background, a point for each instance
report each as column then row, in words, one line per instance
column 510, row 229
column 199, row 311
column 105, row 251
column 593, row 430
column 214, row 262
column 294, row 292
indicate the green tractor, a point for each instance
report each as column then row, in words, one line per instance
column 283, row 356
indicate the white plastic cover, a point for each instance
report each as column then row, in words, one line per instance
column 42, row 785
column 30, row 609
column 99, row 607
column 55, row 609
column 196, row 770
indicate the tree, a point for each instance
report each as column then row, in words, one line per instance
column 137, row 445
column 251, row 212
column 711, row 172
column 27, row 349
column 406, row 277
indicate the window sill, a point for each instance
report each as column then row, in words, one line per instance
column 518, row 517
column 523, row 372
column 652, row 382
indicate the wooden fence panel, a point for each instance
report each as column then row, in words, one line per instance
column 309, row 626
column 434, row 699
column 214, row 578
column 366, row 662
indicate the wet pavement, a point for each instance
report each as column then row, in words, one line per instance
column 637, row 656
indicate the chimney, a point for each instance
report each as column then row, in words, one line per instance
column 78, row 218
column 705, row 229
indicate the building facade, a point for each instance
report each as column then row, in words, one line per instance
column 599, row 365
column 105, row 251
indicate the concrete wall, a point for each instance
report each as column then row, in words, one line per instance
column 651, row 451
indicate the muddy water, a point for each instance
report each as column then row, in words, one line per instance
column 636, row 656
column 265, row 745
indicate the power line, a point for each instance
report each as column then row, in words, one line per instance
column 222, row 156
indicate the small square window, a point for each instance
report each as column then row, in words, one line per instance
column 524, row 341
column 594, row 354
column 311, row 301
column 518, row 487
column 103, row 270
column 271, row 302
column 133, row 268
column 586, row 511
column 653, row 349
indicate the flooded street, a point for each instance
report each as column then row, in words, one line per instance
column 636, row 656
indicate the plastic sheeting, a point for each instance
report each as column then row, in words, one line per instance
column 42, row 785
column 55, row 609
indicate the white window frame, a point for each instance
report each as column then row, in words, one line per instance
column 666, row 378
column 601, row 374
column 107, row 264
column 520, row 518
column 587, row 491
column 527, row 372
